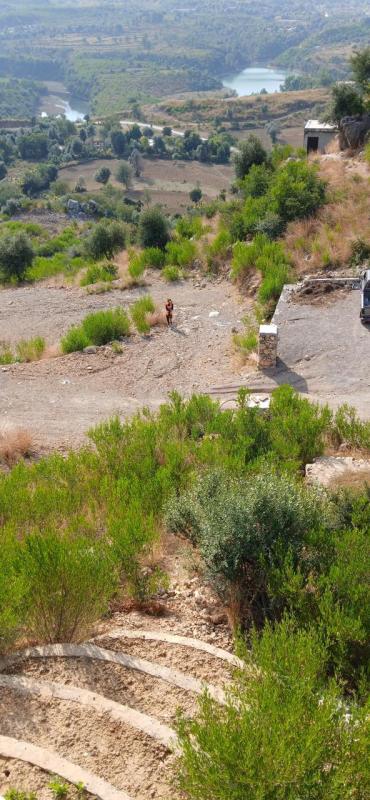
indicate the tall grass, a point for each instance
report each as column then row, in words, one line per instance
column 98, row 328
column 140, row 312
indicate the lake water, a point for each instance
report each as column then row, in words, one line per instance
column 73, row 108
column 253, row 79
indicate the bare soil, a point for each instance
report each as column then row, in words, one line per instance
column 167, row 182
column 59, row 399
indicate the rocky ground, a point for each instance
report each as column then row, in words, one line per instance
column 59, row 399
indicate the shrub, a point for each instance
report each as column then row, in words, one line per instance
column 139, row 313
column 283, row 733
column 171, row 273
column 181, row 253
column 296, row 191
column 242, row 529
column 250, row 152
column 102, row 175
column 349, row 428
column 99, row 272
column 189, row 227
column 124, row 174
column 70, row 580
column 15, row 443
column 102, row 327
column 16, row 256
column 106, row 239
column 298, row 428
column 74, row 340
column 137, row 264
column 30, row 349
column 346, row 102
column 153, row 228
column 196, row 195
column 360, row 252
column 153, row 257
column 11, row 593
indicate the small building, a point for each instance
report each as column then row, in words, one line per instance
column 317, row 135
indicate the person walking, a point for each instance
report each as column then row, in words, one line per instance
column 169, row 311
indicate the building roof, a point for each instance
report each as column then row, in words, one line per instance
column 316, row 125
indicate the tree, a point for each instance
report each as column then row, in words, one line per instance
column 346, row 102
column 167, row 131
column 83, row 135
column 250, row 152
column 39, row 179
column 360, row 63
column 102, row 175
column 119, row 142
column 81, row 184
column 296, row 191
column 135, row 161
column 3, row 170
column 16, row 256
column 153, row 228
column 106, row 239
column 33, row 146
column 196, row 195
column 124, row 174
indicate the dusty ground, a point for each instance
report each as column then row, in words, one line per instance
column 58, row 399
column 168, row 182
column 115, row 751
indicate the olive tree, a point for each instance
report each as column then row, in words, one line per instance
column 16, row 256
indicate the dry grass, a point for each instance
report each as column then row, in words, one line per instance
column 15, row 443
column 325, row 242
column 356, row 480
column 156, row 318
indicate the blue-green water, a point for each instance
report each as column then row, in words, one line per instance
column 253, row 79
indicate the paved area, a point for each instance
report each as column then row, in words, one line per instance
column 324, row 350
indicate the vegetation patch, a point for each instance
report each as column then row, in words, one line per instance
column 97, row 329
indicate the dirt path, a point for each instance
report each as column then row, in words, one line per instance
column 59, row 399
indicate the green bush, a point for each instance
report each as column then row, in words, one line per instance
column 70, row 580
column 102, row 327
column 106, row 239
column 60, row 263
column 153, row 257
column 190, row 227
column 74, row 340
column 241, row 530
column 171, row 273
column 11, row 592
column 99, row 272
column 139, row 313
column 181, row 253
column 250, row 152
column 137, row 264
column 153, row 228
column 16, row 256
column 284, row 732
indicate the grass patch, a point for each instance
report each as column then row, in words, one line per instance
column 99, row 272
column 171, row 273
column 139, row 313
column 97, row 329
column 26, row 350
column 30, row 349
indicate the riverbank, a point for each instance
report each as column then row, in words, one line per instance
column 59, row 100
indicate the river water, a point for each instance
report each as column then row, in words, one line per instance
column 253, row 79
column 59, row 101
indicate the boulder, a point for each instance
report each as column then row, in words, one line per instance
column 73, row 206
column 353, row 131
